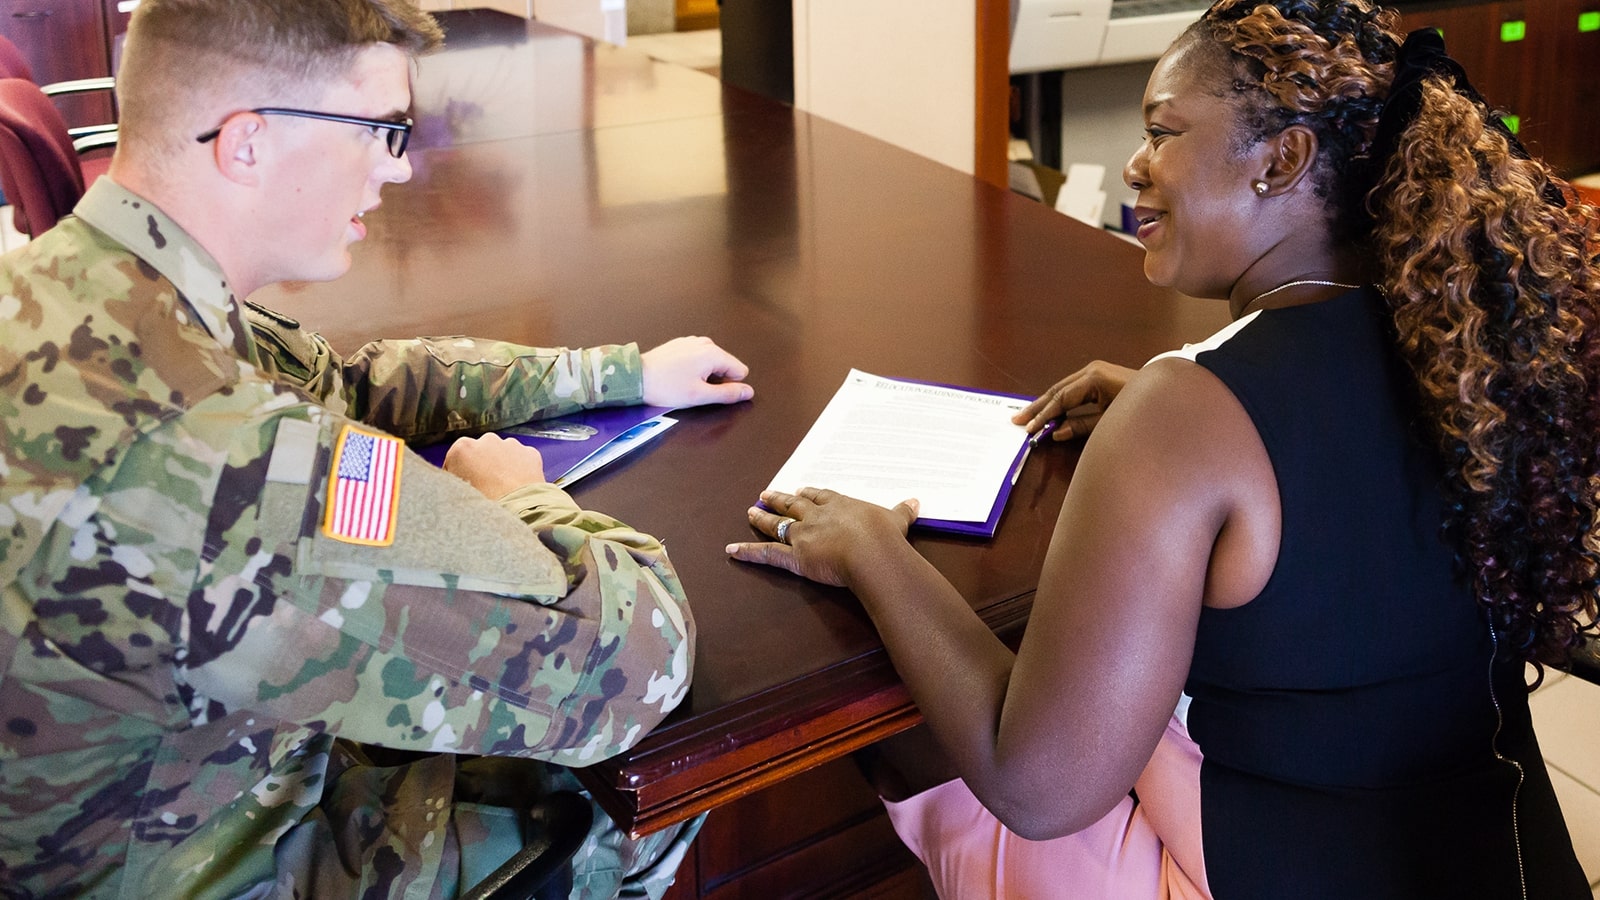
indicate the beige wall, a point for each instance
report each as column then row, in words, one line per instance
column 899, row 70
column 514, row 7
column 651, row 16
column 603, row 20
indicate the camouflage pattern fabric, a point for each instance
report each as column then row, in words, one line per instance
column 426, row 389
column 192, row 670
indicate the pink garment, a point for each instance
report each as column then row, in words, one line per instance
column 1150, row 849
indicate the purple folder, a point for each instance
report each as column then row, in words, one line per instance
column 586, row 433
column 989, row 526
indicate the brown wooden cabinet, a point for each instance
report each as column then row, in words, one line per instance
column 63, row 40
column 1532, row 59
column 821, row 834
column 116, row 14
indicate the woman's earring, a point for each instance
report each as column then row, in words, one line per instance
column 1260, row 188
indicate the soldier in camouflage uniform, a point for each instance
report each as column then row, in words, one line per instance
column 225, row 580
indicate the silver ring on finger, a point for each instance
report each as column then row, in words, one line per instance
column 782, row 531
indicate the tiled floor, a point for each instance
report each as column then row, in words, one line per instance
column 1566, row 716
column 9, row 238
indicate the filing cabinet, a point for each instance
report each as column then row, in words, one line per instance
column 1538, row 60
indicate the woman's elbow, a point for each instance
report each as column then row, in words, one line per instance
column 1040, row 815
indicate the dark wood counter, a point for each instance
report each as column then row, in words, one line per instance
column 615, row 198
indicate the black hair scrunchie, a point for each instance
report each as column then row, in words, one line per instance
column 1422, row 55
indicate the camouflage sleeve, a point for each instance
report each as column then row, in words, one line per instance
column 426, row 389
column 452, row 626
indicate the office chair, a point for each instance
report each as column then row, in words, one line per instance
column 1585, row 661
column 42, row 171
column 559, row 823
column 12, row 62
column 539, row 871
column 14, row 65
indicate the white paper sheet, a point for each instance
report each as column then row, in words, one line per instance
column 885, row 441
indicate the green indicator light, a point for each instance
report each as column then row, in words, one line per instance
column 1589, row 21
column 1513, row 123
column 1513, row 31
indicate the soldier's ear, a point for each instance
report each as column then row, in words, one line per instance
column 239, row 148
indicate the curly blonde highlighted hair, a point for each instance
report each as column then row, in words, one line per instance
column 1493, row 289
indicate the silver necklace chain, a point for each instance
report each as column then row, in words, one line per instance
column 1286, row 285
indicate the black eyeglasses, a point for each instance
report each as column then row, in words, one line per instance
column 396, row 134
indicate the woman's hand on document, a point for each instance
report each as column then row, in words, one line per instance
column 1076, row 402
column 827, row 535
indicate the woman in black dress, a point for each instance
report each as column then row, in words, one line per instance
column 1330, row 538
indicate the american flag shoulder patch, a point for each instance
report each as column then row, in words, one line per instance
column 363, row 488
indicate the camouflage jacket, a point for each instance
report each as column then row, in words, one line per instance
column 193, row 634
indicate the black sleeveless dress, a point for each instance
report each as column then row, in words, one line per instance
column 1358, row 740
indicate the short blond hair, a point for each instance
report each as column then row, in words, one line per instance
column 188, row 61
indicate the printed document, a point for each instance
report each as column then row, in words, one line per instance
column 885, row 440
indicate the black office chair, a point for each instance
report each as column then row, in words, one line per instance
column 539, row 871
column 1585, row 661
column 560, row 822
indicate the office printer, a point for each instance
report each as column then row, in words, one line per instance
column 1070, row 34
